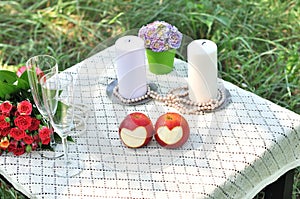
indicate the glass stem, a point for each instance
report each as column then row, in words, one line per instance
column 65, row 146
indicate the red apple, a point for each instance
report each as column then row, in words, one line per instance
column 136, row 130
column 171, row 130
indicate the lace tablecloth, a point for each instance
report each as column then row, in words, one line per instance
column 232, row 153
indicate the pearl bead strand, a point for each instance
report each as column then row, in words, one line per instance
column 133, row 100
column 178, row 99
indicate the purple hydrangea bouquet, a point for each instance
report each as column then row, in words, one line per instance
column 160, row 36
column 161, row 41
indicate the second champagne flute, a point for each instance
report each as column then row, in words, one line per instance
column 58, row 98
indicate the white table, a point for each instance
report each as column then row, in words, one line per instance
column 231, row 153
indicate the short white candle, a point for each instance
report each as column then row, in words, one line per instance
column 202, row 70
column 131, row 66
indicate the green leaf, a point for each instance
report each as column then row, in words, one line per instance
column 11, row 84
column 24, row 75
column 70, row 139
column 24, row 81
column 23, row 84
column 8, row 76
column 6, row 89
column 28, row 148
column 46, row 147
column 57, row 138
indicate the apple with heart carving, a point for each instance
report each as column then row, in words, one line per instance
column 171, row 130
column 136, row 130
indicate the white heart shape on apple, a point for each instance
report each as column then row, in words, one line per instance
column 134, row 138
column 170, row 136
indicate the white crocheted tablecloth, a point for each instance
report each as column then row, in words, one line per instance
column 232, row 153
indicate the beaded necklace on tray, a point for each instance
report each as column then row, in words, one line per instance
column 178, row 98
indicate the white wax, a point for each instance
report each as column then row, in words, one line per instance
column 131, row 66
column 202, row 70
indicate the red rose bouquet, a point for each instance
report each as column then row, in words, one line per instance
column 22, row 128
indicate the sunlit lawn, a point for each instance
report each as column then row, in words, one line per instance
column 258, row 41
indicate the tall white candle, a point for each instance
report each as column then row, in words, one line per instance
column 131, row 66
column 202, row 70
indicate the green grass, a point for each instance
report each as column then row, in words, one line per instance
column 258, row 41
column 7, row 191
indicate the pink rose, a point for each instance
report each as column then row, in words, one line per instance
column 46, row 141
column 17, row 134
column 6, row 107
column 24, row 107
column 4, row 122
column 44, row 133
column 12, row 145
column 19, row 150
column 22, row 69
column 23, row 122
column 35, row 123
column 28, row 139
column 4, row 132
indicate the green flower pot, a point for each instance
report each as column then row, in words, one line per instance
column 161, row 62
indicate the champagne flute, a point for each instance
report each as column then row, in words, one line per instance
column 38, row 66
column 58, row 99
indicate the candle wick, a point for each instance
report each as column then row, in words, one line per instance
column 203, row 42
